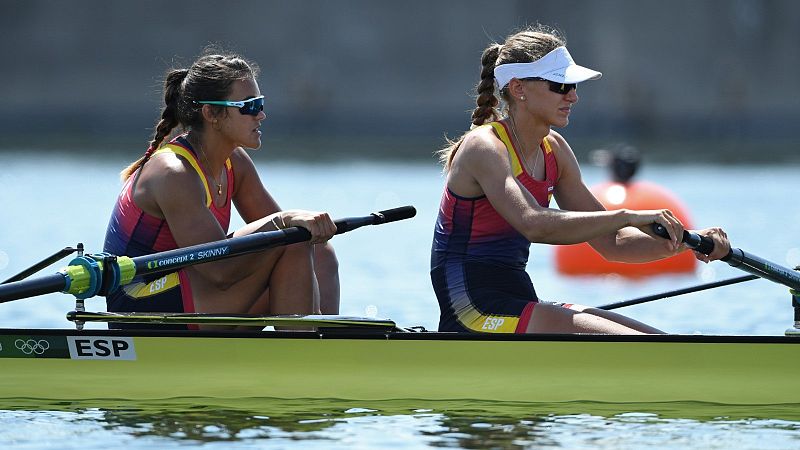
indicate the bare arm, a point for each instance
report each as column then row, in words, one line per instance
column 628, row 244
column 258, row 208
column 250, row 197
column 482, row 160
column 169, row 188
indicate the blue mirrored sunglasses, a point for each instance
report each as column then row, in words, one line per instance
column 558, row 88
column 250, row 107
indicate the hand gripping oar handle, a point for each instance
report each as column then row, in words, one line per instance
column 89, row 275
column 738, row 258
column 696, row 242
column 212, row 251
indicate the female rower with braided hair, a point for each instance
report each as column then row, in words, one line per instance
column 180, row 194
column 501, row 176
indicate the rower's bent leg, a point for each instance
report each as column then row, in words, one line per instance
column 282, row 281
column 293, row 285
column 247, row 295
column 618, row 318
column 550, row 318
column 326, row 266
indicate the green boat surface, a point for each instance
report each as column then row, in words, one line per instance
column 379, row 365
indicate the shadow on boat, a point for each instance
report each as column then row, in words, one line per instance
column 468, row 424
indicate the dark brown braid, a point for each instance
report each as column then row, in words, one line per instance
column 486, row 111
column 168, row 122
column 169, row 119
column 209, row 78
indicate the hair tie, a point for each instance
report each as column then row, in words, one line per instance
column 150, row 150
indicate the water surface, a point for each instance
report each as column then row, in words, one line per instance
column 57, row 200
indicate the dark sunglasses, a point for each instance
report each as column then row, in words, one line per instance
column 250, row 107
column 558, row 88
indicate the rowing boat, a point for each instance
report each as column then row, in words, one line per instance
column 382, row 363
column 370, row 359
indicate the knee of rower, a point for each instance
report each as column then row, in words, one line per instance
column 325, row 260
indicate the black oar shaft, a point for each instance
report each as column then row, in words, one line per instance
column 30, row 288
column 91, row 273
column 675, row 293
column 762, row 268
column 186, row 256
column 213, row 251
column 740, row 259
column 44, row 263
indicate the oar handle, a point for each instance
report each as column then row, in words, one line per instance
column 293, row 235
column 696, row 242
column 376, row 218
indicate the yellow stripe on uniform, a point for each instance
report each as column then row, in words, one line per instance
column 547, row 148
column 516, row 167
column 188, row 156
column 547, row 151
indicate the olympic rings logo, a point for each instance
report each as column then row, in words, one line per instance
column 32, row 346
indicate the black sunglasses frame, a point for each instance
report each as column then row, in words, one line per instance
column 554, row 86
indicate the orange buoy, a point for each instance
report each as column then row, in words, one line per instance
column 582, row 259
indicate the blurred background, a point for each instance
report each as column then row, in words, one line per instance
column 360, row 95
column 682, row 80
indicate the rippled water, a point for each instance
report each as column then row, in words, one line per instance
column 53, row 201
column 274, row 423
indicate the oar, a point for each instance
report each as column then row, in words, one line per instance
column 44, row 263
column 676, row 292
column 100, row 274
column 756, row 266
column 739, row 259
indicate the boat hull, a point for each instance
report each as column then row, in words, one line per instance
column 99, row 364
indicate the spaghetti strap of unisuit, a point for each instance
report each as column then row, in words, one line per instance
column 502, row 133
column 190, row 157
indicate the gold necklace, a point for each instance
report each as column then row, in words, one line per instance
column 208, row 165
column 522, row 149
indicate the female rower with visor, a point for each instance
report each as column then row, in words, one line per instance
column 180, row 194
column 501, row 176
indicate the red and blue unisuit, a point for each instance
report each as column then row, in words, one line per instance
column 478, row 259
column 132, row 232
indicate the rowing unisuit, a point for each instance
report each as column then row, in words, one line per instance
column 478, row 259
column 133, row 232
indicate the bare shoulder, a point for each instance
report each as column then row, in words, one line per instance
column 240, row 158
column 558, row 143
column 168, row 165
column 480, row 163
column 565, row 157
column 245, row 173
column 168, row 175
column 480, row 144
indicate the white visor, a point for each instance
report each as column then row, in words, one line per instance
column 556, row 66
